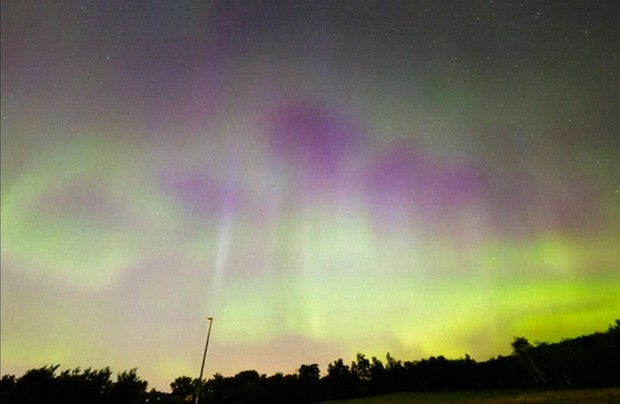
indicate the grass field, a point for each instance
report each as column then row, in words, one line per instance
column 594, row 396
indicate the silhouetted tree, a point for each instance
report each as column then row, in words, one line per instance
column 88, row 386
column 378, row 377
column 128, row 388
column 309, row 383
column 586, row 361
column 523, row 350
column 245, row 388
column 281, row 388
column 216, row 388
column 7, row 388
column 183, row 388
column 340, row 381
column 37, row 385
column 395, row 374
column 361, row 367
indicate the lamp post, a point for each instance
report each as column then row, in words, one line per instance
column 204, row 357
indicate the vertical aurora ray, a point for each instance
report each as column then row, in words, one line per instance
column 230, row 206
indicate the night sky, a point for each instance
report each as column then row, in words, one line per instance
column 322, row 177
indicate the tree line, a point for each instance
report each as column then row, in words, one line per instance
column 586, row 361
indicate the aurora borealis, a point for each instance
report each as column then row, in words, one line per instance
column 323, row 178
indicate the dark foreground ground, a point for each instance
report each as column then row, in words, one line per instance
column 594, row 396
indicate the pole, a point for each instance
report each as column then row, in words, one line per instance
column 204, row 358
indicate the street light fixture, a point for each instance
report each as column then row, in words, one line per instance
column 204, row 357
